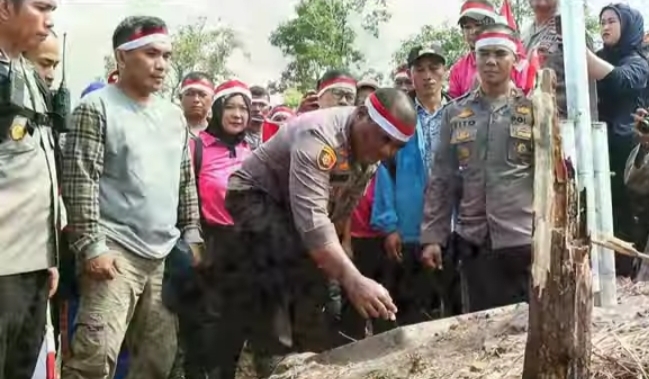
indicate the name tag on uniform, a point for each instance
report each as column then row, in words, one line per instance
column 520, row 131
column 461, row 135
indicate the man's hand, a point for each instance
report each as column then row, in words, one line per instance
column 642, row 125
column 431, row 256
column 369, row 297
column 393, row 246
column 309, row 102
column 52, row 281
column 197, row 253
column 103, row 267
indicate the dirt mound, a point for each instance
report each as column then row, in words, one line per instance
column 486, row 345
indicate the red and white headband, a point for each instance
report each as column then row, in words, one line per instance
column 496, row 39
column 145, row 37
column 202, row 85
column 401, row 74
column 383, row 118
column 262, row 102
column 477, row 10
column 367, row 82
column 232, row 87
column 281, row 111
column 341, row 82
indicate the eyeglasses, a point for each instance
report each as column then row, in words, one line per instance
column 341, row 94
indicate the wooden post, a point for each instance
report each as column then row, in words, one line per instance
column 558, row 343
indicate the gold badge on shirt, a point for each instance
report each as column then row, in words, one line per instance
column 18, row 129
column 463, row 153
column 466, row 112
column 523, row 110
column 326, row 158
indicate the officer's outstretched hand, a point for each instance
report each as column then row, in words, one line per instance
column 431, row 256
column 369, row 297
column 103, row 267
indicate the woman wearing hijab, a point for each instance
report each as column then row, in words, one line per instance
column 218, row 151
column 621, row 71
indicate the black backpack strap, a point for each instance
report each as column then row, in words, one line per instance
column 198, row 156
column 198, row 164
column 391, row 165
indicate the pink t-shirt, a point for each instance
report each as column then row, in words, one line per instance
column 464, row 77
column 216, row 168
column 362, row 215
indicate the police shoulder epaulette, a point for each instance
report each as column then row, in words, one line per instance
column 463, row 97
column 457, row 102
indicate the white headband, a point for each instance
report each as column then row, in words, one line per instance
column 145, row 40
column 231, row 91
column 342, row 83
column 261, row 101
column 495, row 39
column 198, row 85
column 401, row 75
column 279, row 114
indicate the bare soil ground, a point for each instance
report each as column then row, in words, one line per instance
column 487, row 345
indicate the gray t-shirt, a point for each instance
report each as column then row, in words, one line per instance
column 127, row 175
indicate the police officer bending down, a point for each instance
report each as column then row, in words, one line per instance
column 285, row 201
column 486, row 151
column 30, row 212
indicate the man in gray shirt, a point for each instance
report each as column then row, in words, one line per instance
column 30, row 211
column 128, row 183
column 260, row 107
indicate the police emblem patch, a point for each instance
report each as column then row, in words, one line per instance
column 462, row 135
column 17, row 131
column 326, row 159
column 466, row 112
column 521, row 148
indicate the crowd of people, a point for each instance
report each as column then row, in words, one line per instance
column 170, row 239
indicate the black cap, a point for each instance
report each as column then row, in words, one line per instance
column 433, row 49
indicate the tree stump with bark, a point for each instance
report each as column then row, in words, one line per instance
column 561, row 302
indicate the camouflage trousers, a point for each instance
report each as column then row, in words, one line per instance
column 126, row 309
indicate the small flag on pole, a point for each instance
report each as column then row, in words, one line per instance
column 50, row 346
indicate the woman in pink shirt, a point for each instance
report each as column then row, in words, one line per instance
column 218, row 151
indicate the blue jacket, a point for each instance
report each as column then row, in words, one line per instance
column 399, row 192
column 622, row 91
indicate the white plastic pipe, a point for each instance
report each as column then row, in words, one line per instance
column 569, row 146
column 608, row 285
column 574, row 49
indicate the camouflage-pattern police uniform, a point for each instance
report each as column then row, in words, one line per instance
column 30, row 217
column 485, row 151
column 284, row 201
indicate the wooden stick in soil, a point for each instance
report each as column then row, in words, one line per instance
column 559, row 342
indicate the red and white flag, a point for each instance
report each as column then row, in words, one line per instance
column 527, row 66
column 46, row 364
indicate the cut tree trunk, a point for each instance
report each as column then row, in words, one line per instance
column 558, row 342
